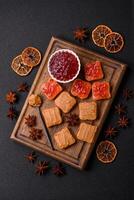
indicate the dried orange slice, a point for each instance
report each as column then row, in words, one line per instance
column 113, row 42
column 31, row 56
column 19, row 67
column 106, row 151
column 99, row 34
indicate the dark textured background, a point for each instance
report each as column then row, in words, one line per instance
column 24, row 23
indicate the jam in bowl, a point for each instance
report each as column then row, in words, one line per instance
column 64, row 65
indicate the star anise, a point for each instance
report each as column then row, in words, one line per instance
column 120, row 109
column 72, row 119
column 30, row 120
column 110, row 132
column 123, row 122
column 11, row 97
column 128, row 94
column 23, row 87
column 80, row 34
column 35, row 134
column 58, row 170
column 11, row 113
column 31, row 157
column 42, row 167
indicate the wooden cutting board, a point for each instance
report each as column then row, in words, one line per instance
column 78, row 154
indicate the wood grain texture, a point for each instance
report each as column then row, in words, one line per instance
column 78, row 154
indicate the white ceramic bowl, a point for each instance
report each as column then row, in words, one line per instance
column 71, row 52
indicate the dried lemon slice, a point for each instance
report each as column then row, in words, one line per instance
column 99, row 34
column 19, row 67
column 106, row 151
column 31, row 56
column 113, row 42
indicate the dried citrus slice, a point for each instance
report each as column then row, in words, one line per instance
column 19, row 67
column 31, row 56
column 113, row 42
column 106, row 151
column 99, row 34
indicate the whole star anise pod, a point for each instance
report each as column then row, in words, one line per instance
column 123, row 122
column 30, row 120
column 128, row 94
column 120, row 109
column 11, row 113
column 11, row 97
column 110, row 132
column 42, row 167
column 35, row 134
column 23, row 87
column 72, row 119
column 58, row 170
column 31, row 157
column 80, row 34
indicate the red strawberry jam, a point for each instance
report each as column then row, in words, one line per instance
column 101, row 90
column 93, row 71
column 63, row 65
column 51, row 89
column 81, row 88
